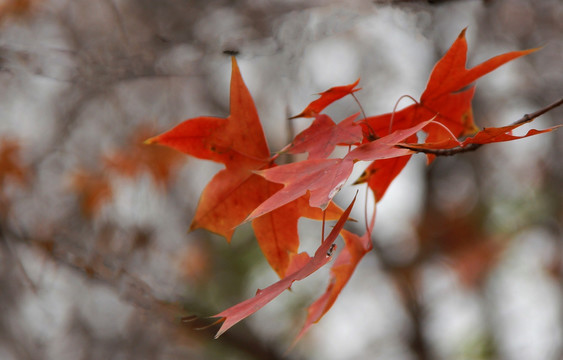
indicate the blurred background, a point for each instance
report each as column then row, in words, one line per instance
column 96, row 261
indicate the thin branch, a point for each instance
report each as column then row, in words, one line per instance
column 472, row 147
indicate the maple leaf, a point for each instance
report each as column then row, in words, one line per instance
column 277, row 231
column 135, row 158
column 450, row 75
column 443, row 94
column 341, row 271
column 323, row 178
column 385, row 147
column 327, row 97
column 303, row 267
column 234, row 192
column 445, row 99
column 10, row 167
column 93, row 190
column 320, row 139
column 485, row 136
column 381, row 173
column 237, row 141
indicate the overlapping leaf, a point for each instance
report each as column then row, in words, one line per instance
column 320, row 139
column 323, row 178
column 341, row 271
column 232, row 195
column 274, row 197
column 485, row 136
column 134, row 159
column 277, row 232
column 306, row 266
column 446, row 99
column 238, row 141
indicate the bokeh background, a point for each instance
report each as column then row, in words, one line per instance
column 96, row 261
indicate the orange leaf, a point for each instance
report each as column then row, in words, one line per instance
column 445, row 99
column 450, row 75
column 231, row 195
column 490, row 135
column 304, row 267
column 226, row 201
column 10, row 167
column 320, row 139
column 135, row 158
column 485, row 136
column 237, row 141
column 93, row 190
column 276, row 231
column 354, row 250
column 323, row 178
column 327, row 98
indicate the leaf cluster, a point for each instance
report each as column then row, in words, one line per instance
column 253, row 188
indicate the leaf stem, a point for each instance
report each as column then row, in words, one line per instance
column 371, row 131
column 472, row 147
column 395, row 109
column 360, row 105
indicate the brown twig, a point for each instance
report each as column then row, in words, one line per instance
column 472, row 147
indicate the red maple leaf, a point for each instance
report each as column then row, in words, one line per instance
column 303, row 267
column 323, row 178
column 450, row 75
column 253, row 188
column 238, row 141
column 327, row 97
column 135, row 158
column 341, row 271
column 320, row 139
column 485, row 136
column 445, row 99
